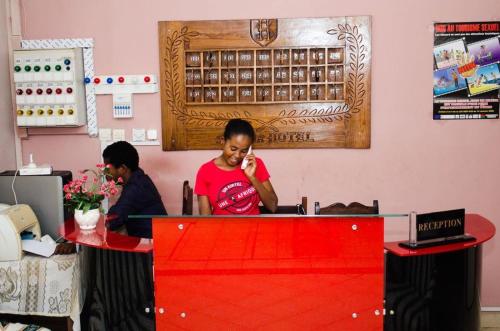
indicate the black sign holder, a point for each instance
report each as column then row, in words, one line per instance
column 438, row 228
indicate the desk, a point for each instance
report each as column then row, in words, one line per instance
column 269, row 273
column 436, row 288
column 119, row 287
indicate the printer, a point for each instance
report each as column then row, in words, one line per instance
column 13, row 221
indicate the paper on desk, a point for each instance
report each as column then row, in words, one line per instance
column 38, row 247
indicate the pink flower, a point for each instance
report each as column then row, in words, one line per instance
column 108, row 165
column 100, row 165
column 68, row 196
column 85, row 178
column 120, row 180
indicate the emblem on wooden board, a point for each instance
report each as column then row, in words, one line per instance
column 264, row 31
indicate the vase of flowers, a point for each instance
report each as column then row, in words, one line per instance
column 84, row 195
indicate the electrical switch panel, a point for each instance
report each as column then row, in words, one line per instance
column 50, row 88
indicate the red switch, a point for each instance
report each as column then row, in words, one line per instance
column 147, row 79
column 19, row 91
column 69, row 90
column 121, row 79
column 39, row 91
column 58, row 91
column 97, row 80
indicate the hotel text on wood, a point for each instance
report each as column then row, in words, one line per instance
column 302, row 83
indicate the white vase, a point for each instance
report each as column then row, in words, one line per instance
column 88, row 220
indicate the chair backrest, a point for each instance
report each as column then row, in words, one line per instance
column 339, row 208
column 298, row 209
column 187, row 199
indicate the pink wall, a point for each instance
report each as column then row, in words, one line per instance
column 7, row 139
column 414, row 163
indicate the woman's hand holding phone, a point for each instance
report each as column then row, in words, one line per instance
column 249, row 165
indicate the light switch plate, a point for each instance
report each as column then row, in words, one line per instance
column 152, row 134
column 138, row 134
column 118, row 134
column 105, row 134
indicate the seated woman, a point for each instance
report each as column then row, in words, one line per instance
column 139, row 195
column 223, row 188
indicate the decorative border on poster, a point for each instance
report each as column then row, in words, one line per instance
column 88, row 64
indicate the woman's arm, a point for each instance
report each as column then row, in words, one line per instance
column 204, row 205
column 265, row 189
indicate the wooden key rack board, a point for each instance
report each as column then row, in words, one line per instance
column 302, row 83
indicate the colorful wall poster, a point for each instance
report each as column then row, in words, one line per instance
column 466, row 80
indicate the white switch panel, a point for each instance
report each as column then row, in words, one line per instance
column 125, row 84
column 49, row 87
column 152, row 134
column 105, row 134
column 118, row 134
column 138, row 135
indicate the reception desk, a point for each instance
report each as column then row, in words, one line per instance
column 436, row 288
column 117, row 278
column 269, row 273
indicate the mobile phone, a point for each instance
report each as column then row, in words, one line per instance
column 244, row 163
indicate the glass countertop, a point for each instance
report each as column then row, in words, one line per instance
column 273, row 216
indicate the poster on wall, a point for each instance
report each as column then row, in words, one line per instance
column 466, row 80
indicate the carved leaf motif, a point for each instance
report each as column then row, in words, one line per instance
column 355, row 85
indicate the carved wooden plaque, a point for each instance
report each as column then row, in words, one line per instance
column 302, row 83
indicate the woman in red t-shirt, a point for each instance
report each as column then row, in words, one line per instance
column 223, row 188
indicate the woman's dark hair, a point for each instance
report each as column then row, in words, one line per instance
column 121, row 153
column 238, row 126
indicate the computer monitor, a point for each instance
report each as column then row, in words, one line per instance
column 44, row 194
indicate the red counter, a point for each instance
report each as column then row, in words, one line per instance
column 117, row 274
column 437, row 288
column 268, row 273
column 102, row 238
column 475, row 225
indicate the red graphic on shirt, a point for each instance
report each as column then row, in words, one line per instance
column 237, row 197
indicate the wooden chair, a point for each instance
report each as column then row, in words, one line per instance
column 339, row 208
column 187, row 199
column 298, row 209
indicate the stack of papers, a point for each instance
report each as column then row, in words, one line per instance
column 39, row 247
